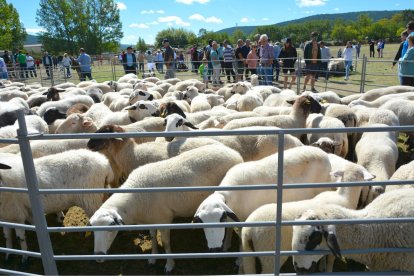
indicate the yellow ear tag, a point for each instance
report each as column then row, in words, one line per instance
column 87, row 234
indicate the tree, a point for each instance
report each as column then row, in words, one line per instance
column 141, row 45
column 12, row 32
column 177, row 37
column 71, row 24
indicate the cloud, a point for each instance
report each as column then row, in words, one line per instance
column 129, row 39
column 336, row 9
column 190, row 2
column 153, row 23
column 309, row 12
column 244, row 20
column 35, row 30
column 139, row 26
column 173, row 19
column 121, row 6
column 152, row 11
column 211, row 19
column 265, row 19
column 310, row 3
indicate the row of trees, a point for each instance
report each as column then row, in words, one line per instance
column 12, row 32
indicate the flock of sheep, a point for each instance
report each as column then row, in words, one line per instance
column 147, row 105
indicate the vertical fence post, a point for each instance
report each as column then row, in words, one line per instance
column 280, row 164
column 363, row 74
column 299, row 72
column 39, row 219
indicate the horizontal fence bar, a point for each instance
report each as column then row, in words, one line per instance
column 20, row 252
column 14, row 272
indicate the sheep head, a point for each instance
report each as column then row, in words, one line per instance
column 96, row 144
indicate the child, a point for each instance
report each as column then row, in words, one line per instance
column 203, row 70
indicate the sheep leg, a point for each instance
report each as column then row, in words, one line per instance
column 165, row 238
column 154, row 247
column 7, row 232
column 20, row 234
column 330, row 260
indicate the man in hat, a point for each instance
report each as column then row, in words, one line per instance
column 130, row 61
column 168, row 59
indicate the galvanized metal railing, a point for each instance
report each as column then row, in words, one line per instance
column 42, row 231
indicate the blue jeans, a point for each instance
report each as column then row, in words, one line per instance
column 267, row 74
column 348, row 64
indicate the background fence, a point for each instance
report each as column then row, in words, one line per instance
column 43, row 231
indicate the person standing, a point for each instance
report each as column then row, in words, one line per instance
column 325, row 56
column 194, row 59
column 371, row 48
column 287, row 57
column 168, row 59
column 410, row 31
column 404, row 35
column 252, row 59
column 22, row 60
column 358, row 48
column 150, row 62
column 141, row 59
column 202, row 70
column 66, row 62
column 239, row 60
column 348, row 53
column 47, row 63
column 276, row 66
column 85, row 65
column 3, row 69
column 31, row 66
column 267, row 55
column 159, row 61
column 8, row 60
column 407, row 63
column 215, row 62
column 228, row 60
column 312, row 55
column 130, row 61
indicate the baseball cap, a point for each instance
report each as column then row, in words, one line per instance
column 165, row 40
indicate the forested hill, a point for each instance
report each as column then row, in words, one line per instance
column 349, row 16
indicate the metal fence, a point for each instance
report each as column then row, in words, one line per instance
column 43, row 231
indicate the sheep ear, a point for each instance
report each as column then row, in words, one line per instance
column 165, row 122
column 190, row 125
column 179, row 123
column 368, row 176
column 337, row 173
column 290, row 101
column 87, row 123
column 60, row 90
column 131, row 107
column 232, row 216
column 196, row 219
column 4, row 167
column 332, row 241
column 315, row 239
column 119, row 221
column 45, row 93
column 315, row 144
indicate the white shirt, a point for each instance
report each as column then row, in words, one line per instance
column 29, row 61
column 348, row 53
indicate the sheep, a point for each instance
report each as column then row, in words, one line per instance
column 250, row 147
column 348, row 99
column 76, row 123
column 6, row 95
column 394, row 204
column 374, row 94
column 63, row 105
column 221, row 121
column 383, row 99
column 126, row 155
column 263, row 238
column 127, row 77
column 77, row 108
column 272, row 110
column 281, row 98
column 265, row 90
column 249, row 101
column 182, row 85
column 192, row 168
column 404, row 172
column 320, row 121
column 328, row 96
column 378, row 153
column 95, row 93
column 119, row 102
column 8, row 111
column 132, row 113
column 42, row 148
column 296, row 119
column 34, row 125
column 301, row 165
column 71, row 169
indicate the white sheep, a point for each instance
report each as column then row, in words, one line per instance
column 320, row 121
column 263, row 238
column 383, row 99
column 301, row 165
column 404, row 172
column 70, row 169
column 192, row 168
column 395, row 204
column 76, row 123
column 378, row 152
column 34, row 124
column 64, row 104
column 374, row 94
column 281, row 99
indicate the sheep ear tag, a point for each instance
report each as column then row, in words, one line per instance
column 87, row 234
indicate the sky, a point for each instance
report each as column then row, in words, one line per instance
column 145, row 18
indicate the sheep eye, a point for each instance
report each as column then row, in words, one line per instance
column 142, row 106
column 141, row 93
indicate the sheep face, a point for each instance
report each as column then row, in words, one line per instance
column 52, row 94
column 142, row 109
column 76, row 123
column 96, row 144
column 176, row 122
column 52, row 114
column 213, row 209
column 104, row 239
column 312, row 237
column 170, row 108
column 239, row 88
column 140, row 95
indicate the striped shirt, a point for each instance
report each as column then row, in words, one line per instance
column 267, row 54
column 228, row 54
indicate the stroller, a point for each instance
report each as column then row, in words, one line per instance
column 182, row 67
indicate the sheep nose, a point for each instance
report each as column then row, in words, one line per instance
column 100, row 260
column 215, row 249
